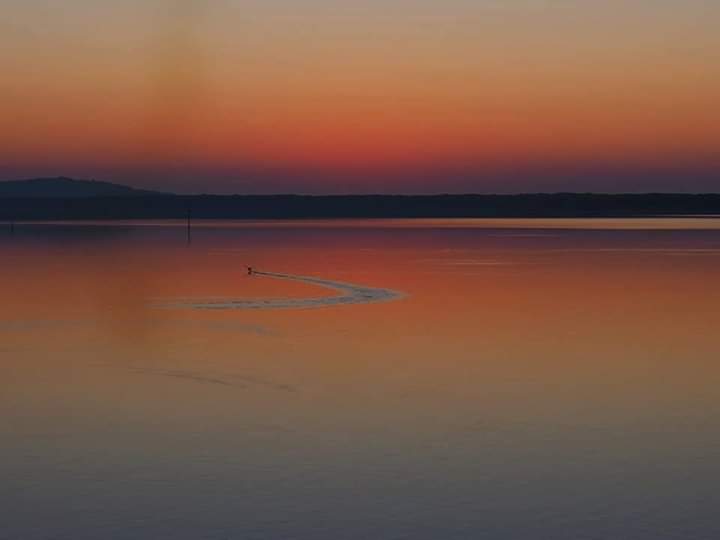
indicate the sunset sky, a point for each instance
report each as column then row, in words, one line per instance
column 393, row 96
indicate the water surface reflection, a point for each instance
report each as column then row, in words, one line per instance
column 535, row 382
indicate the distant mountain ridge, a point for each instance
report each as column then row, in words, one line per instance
column 67, row 199
column 69, row 188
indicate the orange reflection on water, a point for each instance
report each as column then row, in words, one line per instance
column 578, row 310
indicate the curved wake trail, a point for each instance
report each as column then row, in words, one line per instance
column 350, row 294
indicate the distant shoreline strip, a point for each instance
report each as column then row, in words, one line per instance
column 351, row 294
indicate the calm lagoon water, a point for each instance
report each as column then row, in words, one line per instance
column 536, row 380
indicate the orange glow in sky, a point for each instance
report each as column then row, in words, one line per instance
column 210, row 97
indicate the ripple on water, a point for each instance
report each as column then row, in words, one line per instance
column 351, row 294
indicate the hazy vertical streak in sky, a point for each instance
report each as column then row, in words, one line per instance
column 177, row 70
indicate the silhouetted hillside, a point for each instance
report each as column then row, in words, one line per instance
column 67, row 188
column 359, row 206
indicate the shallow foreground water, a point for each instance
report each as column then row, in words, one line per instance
column 529, row 380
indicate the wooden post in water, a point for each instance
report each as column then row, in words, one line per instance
column 189, row 223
